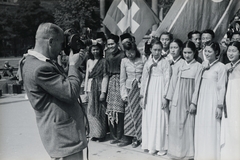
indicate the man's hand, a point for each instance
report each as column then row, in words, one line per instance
column 76, row 59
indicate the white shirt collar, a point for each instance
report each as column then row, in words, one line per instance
column 213, row 62
column 164, row 52
column 174, row 61
column 155, row 60
column 190, row 62
column 37, row 55
column 234, row 65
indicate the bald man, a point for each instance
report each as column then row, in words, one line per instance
column 54, row 95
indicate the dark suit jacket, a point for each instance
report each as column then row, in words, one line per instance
column 53, row 96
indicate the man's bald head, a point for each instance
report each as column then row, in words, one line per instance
column 49, row 40
column 48, row 30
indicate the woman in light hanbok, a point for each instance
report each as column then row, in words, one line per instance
column 210, row 105
column 230, row 126
column 183, row 98
column 154, row 86
column 176, row 47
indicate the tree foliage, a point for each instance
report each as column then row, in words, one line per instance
column 28, row 17
column 78, row 14
column 19, row 24
column 6, row 17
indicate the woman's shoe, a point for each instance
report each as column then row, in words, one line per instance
column 135, row 144
column 94, row 139
column 101, row 139
column 114, row 141
column 161, row 153
column 152, row 152
column 123, row 143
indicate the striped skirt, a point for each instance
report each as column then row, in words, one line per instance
column 133, row 113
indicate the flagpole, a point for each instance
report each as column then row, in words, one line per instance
column 155, row 10
column 223, row 16
column 102, row 13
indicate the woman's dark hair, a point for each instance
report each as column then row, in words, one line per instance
column 235, row 44
column 215, row 46
column 133, row 47
column 180, row 45
column 192, row 46
column 156, row 42
column 90, row 55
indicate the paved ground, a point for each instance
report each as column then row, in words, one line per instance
column 19, row 137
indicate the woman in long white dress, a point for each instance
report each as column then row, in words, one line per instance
column 183, row 104
column 230, row 129
column 154, row 85
column 210, row 105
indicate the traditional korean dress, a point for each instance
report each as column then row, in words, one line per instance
column 175, row 65
column 154, row 86
column 130, row 77
column 230, row 126
column 96, row 82
column 181, row 122
column 207, row 126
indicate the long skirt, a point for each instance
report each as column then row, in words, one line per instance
column 154, row 118
column 181, row 123
column 115, row 107
column 207, row 127
column 133, row 113
column 114, row 100
column 97, row 122
column 230, row 126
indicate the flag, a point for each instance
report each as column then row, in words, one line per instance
column 130, row 16
column 188, row 15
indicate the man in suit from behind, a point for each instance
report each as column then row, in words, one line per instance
column 54, row 94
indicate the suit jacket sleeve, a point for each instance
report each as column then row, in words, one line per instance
column 64, row 88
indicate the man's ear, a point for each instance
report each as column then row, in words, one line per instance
column 50, row 41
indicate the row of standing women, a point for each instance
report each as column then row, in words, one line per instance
column 171, row 107
column 191, row 125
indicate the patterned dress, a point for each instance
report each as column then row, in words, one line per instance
column 130, row 77
column 115, row 103
column 95, row 83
